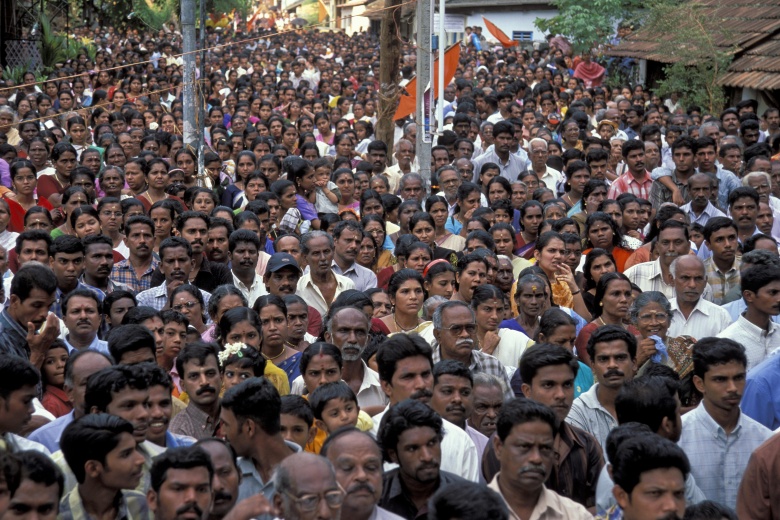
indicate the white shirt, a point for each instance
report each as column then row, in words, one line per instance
column 588, row 414
column 706, row 320
column 369, row 394
column 458, row 453
column 758, row 343
column 511, row 346
column 252, row 293
column 709, row 212
column 313, row 296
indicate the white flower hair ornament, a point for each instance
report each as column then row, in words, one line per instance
column 231, row 349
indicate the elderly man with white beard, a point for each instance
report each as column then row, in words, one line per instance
column 348, row 329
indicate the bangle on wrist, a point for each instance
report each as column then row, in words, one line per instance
column 576, row 293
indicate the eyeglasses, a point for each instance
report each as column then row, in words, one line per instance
column 182, row 306
column 308, row 503
column 657, row 316
column 471, row 328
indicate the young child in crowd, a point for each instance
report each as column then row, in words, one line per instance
column 55, row 399
column 297, row 421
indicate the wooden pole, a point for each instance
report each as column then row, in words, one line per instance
column 389, row 62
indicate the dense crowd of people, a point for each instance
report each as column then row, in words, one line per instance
column 576, row 315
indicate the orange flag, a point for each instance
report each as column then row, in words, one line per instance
column 408, row 104
column 502, row 38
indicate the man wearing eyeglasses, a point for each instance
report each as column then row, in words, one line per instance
column 306, row 486
column 455, row 337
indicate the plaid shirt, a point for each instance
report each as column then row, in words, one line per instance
column 722, row 283
column 123, row 273
column 130, row 505
column 157, row 297
column 482, row 363
column 626, row 183
column 56, row 307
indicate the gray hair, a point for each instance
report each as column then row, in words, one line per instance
column 761, row 257
column 332, row 316
column 283, row 482
column 755, row 175
column 673, row 267
column 537, row 140
column 489, row 380
column 431, row 304
column 709, row 124
column 646, row 298
column 437, row 314
column 311, row 235
column 410, row 177
column 219, row 293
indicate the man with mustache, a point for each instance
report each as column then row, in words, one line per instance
column 193, row 227
column 612, row 350
column 717, row 437
column 198, row 368
column 700, row 210
column 755, row 328
column 743, row 208
column 136, row 272
column 684, row 168
column 455, row 337
column 181, row 485
column 722, row 267
column 357, row 459
column 525, row 470
column 411, row 437
column 107, row 472
column 348, row 329
column 176, row 263
column 226, row 475
column 672, row 242
column 98, row 264
column 452, row 388
column 636, row 180
column 650, row 474
column 548, row 373
column 406, row 372
column 244, row 250
column 692, row 315
column 321, row 285
column 122, row 391
column 347, row 236
column 81, row 315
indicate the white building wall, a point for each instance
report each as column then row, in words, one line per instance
column 352, row 21
column 509, row 21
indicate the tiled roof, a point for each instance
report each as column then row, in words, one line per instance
column 752, row 27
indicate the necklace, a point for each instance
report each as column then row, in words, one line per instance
column 271, row 358
column 604, row 323
column 400, row 327
column 149, row 197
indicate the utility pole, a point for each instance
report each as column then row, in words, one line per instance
column 202, row 99
column 422, row 116
column 190, row 133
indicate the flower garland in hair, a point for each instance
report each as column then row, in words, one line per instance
column 231, row 349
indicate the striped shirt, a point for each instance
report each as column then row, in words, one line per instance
column 130, row 505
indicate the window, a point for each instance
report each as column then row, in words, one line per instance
column 522, row 36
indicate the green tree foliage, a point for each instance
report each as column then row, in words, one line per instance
column 699, row 47
column 587, row 24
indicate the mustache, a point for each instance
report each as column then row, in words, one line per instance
column 421, row 394
column 202, row 390
column 533, row 468
column 222, row 495
column 362, row 487
column 614, row 372
column 190, row 508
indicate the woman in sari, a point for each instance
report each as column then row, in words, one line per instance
column 437, row 207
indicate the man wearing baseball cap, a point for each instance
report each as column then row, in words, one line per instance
column 281, row 278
